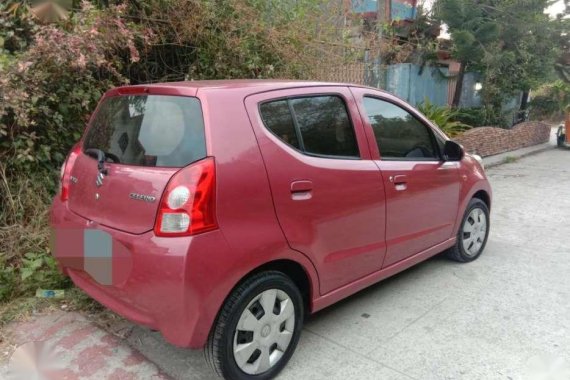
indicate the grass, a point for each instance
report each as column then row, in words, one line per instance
column 26, row 263
column 511, row 159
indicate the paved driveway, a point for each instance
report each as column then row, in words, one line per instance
column 491, row 319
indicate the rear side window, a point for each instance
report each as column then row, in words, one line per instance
column 278, row 119
column 149, row 130
column 316, row 125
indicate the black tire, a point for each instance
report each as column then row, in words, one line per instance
column 219, row 349
column 457, row 252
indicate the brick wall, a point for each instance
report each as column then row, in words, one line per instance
column 487, row 141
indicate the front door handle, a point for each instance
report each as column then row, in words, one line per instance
column 301, row 190
column 400, row 182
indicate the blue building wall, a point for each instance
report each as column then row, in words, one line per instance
column 402, row 10
column 409, row 82
column 365, row 6
column 399, row 9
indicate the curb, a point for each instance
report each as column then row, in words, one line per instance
column 515, row 155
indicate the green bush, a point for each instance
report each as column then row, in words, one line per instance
column 550, row 101
column 443, row 117
column 544, row 107
column 475, row 116
column 480, row 117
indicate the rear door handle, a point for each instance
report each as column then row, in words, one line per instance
column 400, row 182
column 301, row 190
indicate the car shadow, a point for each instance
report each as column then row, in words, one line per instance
column 181, row 363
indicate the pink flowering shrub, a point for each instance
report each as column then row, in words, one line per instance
column 48, row 92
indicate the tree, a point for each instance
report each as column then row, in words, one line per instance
column 512, row 44
column 562, row 64
column 471, row 30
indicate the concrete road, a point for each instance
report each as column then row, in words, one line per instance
column 496, row 318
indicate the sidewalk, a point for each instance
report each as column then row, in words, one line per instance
column 502, row 158
column 80, row 349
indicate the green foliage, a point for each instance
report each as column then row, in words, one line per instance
column 561, row 92
column 444, row 117
column 562, row 40
column 479, row 117
column 544, row 107
column 511, row 43
column 17, row 28
column 231, row 39
column 8, row 280
column 551, row 100
column 470, row 26
column 35, row 270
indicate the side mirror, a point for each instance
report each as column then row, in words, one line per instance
column 452, row 151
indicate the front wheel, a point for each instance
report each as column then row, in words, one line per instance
column 257, row 329
column 473, row 233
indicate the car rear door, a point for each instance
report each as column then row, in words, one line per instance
column 145, row 139
column 328, row 194
column 422, row 191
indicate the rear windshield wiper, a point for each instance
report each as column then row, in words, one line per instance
column 99, row 155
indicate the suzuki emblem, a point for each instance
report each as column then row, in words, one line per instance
column 99, row 180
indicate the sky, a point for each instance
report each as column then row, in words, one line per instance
column 555, row 8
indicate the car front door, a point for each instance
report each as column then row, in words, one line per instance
column 422, row 190
column 328, row 194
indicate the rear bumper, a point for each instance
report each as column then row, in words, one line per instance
column 155, row 281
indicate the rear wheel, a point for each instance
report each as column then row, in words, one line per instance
column 473, row 233
column 257, row 329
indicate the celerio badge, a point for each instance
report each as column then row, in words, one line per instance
column 142, row 197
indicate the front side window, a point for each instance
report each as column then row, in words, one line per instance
column 400, row 136
column 316, row 125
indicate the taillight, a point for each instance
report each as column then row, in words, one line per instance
column 65, row 175
column 188, row 203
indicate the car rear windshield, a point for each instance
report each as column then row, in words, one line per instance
column 149, row 130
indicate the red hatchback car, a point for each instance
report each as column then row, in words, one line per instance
column 223, row 212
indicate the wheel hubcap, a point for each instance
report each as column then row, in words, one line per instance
column 474, row 232
column 264, row 331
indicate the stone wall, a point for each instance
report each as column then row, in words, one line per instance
column 488, row 141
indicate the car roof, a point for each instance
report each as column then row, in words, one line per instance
column 265, row 84
column 260, row 84
column 244, row 86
